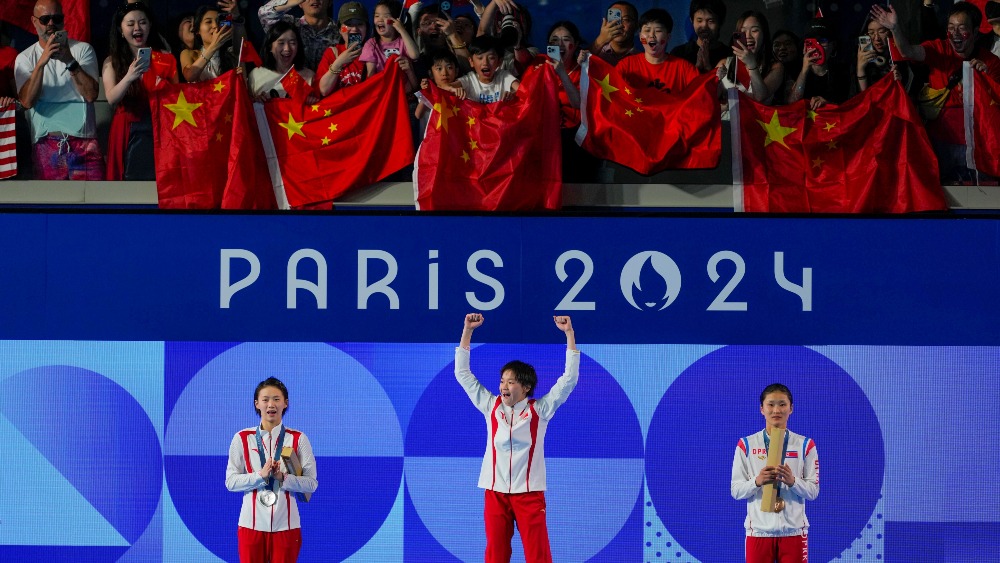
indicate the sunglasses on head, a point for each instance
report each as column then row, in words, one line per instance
column 56, row 19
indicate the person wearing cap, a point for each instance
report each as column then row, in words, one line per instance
column 991, row 41
column 822, row 79
column 56, row 81
column 317, row 30
column 340, row 65
column 942, row 98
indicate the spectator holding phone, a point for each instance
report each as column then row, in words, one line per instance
column 564, row 54
column 617, row 38
column 822, row 79
column 213, row 54
column 941, row 100
column 752, row 68
column 130, row 72
column 704, row 50
column 282, row 52
column 340, row 66
column 56, row 82
column 317, row 30
column 874, row 60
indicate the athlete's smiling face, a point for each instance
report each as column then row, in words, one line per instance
column 776, row 410
column 271, row 403
column 511, row 390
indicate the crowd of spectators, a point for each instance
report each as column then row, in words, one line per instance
column 480, row 54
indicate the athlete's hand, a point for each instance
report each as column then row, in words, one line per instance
column 563, row 323
column 278, row 473
column 767, row 475
column 473, row 321
column 784, row 475
column 266, row 470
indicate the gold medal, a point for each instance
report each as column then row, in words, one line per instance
column 779, row 504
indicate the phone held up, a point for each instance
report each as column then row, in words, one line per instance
column 614, row 15
column 553, row 52
column 61, row 37
column 819, row 53
column 354, row 39
column 739, row 37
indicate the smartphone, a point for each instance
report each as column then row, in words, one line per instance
column 739, row 37
column 614, row 14
column 553, row 52
column 61, row 37
column 226, row 20
column 354, row 39
column 865, row 43
column 819, row 57
column 145, row 53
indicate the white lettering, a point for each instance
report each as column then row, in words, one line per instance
column 366, row 290
column 720, row 303
column 432, row 281
column 568, row 302
column 804, row 291
column 227, row 289
column 498, row 291
column 293, row 284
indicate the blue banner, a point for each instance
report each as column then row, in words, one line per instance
column 632, row 279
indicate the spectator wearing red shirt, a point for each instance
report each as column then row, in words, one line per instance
column 944, row 59
column 654, row 67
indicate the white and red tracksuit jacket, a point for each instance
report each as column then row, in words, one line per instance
column 750, row 457
column 515, row 448
column 242, row 475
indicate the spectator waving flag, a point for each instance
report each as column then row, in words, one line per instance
column 868, row 155
column 350, row 139
column 208, row 152
column 505, row 156
column 644, row 128
column 982, row 121
column 8, row 143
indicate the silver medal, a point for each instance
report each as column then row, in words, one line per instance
column 267, row 497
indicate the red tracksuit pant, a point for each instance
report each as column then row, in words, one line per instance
column 788, row 549
column 257, row 546
column 528, row 510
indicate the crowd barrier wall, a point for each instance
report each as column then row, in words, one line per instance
column 130, row 344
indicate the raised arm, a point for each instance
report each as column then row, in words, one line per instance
column 888, row 20
column 271, row 12
column 480, row 396
column 564, row 324
column 472, row 322
column 547, row 405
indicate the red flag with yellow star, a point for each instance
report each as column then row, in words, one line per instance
column 505, row 156
column 208, row 151
column 870, row 154
column 982, row 121
column 647, row 129
column 350, row 139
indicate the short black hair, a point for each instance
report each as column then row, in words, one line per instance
column 776, row 388
column 443, row 55
column 657, row 15
column 716, row 7
column 484, row 44
column 523, row 373
column 970, row 10
column 270, row 382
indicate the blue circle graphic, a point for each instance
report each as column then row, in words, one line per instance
column 693, row 435
column 593, row 453
column 333, row 399
column 100, row 441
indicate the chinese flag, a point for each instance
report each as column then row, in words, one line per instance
column 77, row 12
column 982, row 117
column 505, row 156
column 646, row 129
column 350, row 139
column 208, row 152
column 868, row 155
column 249, row 55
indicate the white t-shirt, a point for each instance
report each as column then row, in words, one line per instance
column 487, row 93
column 59, row 108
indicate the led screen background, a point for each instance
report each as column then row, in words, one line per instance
column 120, row 442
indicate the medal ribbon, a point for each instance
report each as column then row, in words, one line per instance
column 767, row 445
column 280, row 444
